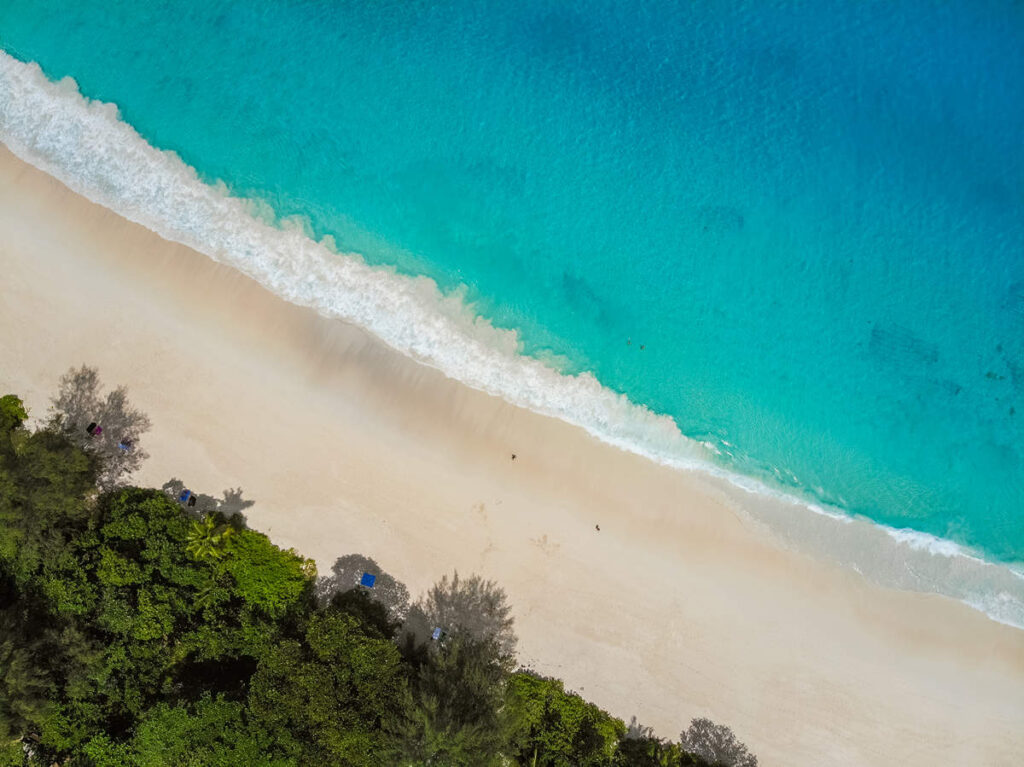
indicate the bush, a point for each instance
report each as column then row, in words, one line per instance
column 79, row 403
column 716, row 744
column 12, row 412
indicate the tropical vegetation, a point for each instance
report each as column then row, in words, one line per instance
column 136, row 629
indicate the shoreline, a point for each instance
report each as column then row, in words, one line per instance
column 117, row 168
column 680, row 606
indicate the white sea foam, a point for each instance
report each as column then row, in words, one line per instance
column 919, row 541
column 86, row 145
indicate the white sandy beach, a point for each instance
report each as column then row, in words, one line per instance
column 676, row 608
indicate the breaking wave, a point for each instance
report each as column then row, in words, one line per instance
column 86, row 145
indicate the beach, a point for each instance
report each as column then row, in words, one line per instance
column 679, row 606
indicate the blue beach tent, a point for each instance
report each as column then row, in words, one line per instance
column 185, row 494
column 368, row 580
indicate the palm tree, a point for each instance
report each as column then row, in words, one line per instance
column 207, row 540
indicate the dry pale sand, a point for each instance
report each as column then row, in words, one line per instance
column 676, row 608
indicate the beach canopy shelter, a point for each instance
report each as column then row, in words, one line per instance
column 185, row 495
column 368, row 580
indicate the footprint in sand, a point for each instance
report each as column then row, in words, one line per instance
column 542, row 543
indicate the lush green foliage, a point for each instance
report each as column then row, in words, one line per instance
column 560, row 729
column 12, row 412
column 456, row 713
column 133, row 633
column 333, row 695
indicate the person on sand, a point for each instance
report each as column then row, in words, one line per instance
column 597, row 527
column 513, row 456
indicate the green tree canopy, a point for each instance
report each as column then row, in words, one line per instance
column 555, row 728
column 333, row 695
column 457, row 711
column 46, row 498
column 208, row 733
column 12, row 412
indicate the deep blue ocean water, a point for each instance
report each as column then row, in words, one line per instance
column 798, row 229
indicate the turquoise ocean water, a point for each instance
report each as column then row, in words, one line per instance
column 796, row 229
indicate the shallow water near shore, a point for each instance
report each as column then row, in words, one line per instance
column 798, row 237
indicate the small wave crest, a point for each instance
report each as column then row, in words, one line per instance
column 86, row 145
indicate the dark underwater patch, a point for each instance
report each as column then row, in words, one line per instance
column 896, row 345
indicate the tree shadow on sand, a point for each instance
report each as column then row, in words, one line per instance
column 345, row 575
column 231, row 503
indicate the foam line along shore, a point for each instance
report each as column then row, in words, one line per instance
column 87, row 146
